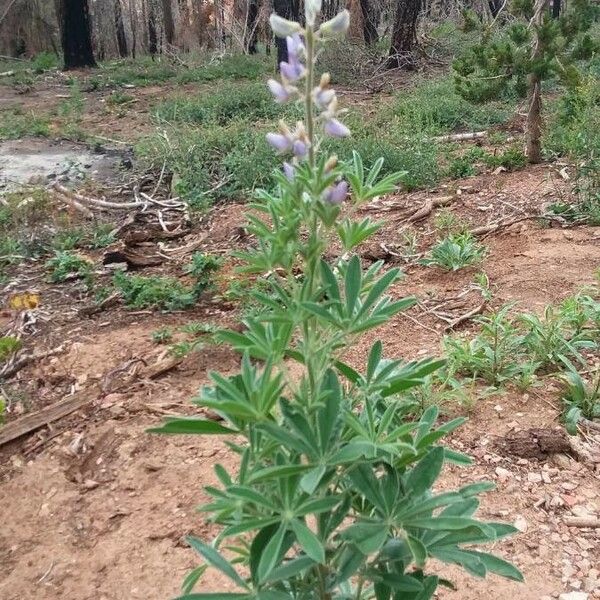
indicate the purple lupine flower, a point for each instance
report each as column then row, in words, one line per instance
column 281, row 143
column 289, row 171
column 300, row 148
column 280, row 92
column 323, row 98
column 336, row 129
column 293, row 70
column 337, row 193
column 295, row 46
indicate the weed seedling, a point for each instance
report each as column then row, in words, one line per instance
column 64, row 265
column 581, row 398
column 456, row 252
column 162, row 336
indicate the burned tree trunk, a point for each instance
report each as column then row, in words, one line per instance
column 120, row 29
column 169, row 24
column 404, row 35
column 152, row 36
column 288, row 9
column 370, row 19
column 76, row 34
column 251, row 33
column 556, row 8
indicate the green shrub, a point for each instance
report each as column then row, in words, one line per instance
column 511, row 159
column 461, row 166
column 231, row 66
column 64, row 265
column 581, row 398
column 202, row 268
column 44, row 61
column 166, row 293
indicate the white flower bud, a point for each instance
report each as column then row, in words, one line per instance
column 336, row 27
column 282, row 27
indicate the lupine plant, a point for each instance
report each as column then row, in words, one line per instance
column 333, row 494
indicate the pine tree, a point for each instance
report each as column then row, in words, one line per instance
column 535, row 47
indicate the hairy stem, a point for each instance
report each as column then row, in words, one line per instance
column 308, row 100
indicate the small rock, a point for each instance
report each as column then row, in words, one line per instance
column 568, row 486
column 574, row 596
column 90, row 484
column 534, row 478
column 521, row 524
column 503, row 474
column 591, row 584
column 44, row 510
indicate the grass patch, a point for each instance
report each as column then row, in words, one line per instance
column 16, row 123
column 250, row 102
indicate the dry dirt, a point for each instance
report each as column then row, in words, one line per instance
column 94, row 507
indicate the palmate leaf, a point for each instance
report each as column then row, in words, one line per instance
column 290, row 569
column 308, row 541
column 271, row 554
column 424, row 474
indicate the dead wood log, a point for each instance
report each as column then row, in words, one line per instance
column 94, row 201
column 468, row 315
column 11, row 368
column 535, row 443
column 33, row 421
column 581, row 521
column 428, row 208
column 461, row 137
column 133, row 259
column 92, row 309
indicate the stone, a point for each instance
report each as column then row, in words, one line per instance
column 521, row 524
column 534, row 478
column 574, row 596
column 503, row 474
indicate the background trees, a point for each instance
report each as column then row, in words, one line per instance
column 76, row 34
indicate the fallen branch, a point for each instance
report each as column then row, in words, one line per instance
column 88, row 311
column 460, row 137
column 94, row 201
column 7, row 73
column 428, row 208
column 590, row 424
column 581, row 521
column 38, row 419
column 468, row 315
column 74, row 204
column 11, row 368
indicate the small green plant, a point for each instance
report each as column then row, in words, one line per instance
column 455, row 252
column 494, row 355
column 9, row 345
column 202, row 268
column 16, row 123
column 162, row 336
column 68, row 239
column 72, row 107
column 511, row 159
column 64, row 265
column 549, row 338
column 102, row 235
column 2, row 409
column 44, row 61
column 447, row 223
column 165, row 293
column 581, row 398
column 117, row 98
column 461, row 166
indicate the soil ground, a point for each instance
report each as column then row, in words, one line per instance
column 94, row 507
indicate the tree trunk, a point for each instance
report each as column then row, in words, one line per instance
column 556, row 8
column 251, row 27
column 370, row 17
column 76, row 34
column 169, row 24
column 120, row 29
column 288, row 9
column 152, row 36
column 404, row 35
column 534, row 114
column 495, row 7
column 133, row 23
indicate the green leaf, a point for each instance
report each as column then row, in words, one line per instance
column 430, row 584
column 278, row 472
column 212, row 556
column 215, row 596
column 497, row 565
column 247, row 493
column 418, row 550
column 192, row 578
column 290, row 569
column 310, row 480
column 353, row 282
column 452, row 524
column 271, row 554
column 191, row 425
column 368, row 537
column 424, row 474
column 308, row 541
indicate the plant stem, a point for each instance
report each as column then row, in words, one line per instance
column 308, row 100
